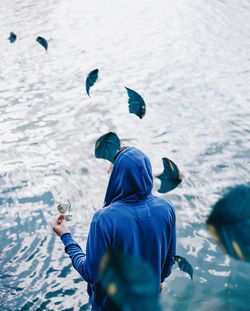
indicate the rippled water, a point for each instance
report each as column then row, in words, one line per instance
column 190, row 61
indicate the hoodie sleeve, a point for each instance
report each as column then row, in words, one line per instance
column 167, row 268
column 97, row 244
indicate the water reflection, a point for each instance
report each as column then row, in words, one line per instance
column 188, row 59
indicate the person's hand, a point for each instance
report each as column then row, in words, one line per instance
column 109, row 169
column 59, row 226
column 161, row 287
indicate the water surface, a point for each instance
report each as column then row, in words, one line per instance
column 190, row 61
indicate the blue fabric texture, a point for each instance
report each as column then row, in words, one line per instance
column 132, row 220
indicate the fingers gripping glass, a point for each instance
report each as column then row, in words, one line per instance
column 66, row 210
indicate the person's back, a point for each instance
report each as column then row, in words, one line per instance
column 144, row 229
column 132, row 220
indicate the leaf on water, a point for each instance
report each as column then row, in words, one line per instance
column 43, row 42
column 136, row 103
column 229, row 222
column 12, row 37
column 184, row 265
column 107, row 146
column 130, row 282
column 91, row 79
column 171, row 176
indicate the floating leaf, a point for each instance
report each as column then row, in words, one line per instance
column 229, row 222
column 171, row 176
column 107, row 146
column 43, row 42
column 130, row 282
column 184, row 265
column 12, row 37
column 136, row 103
column 91, row 79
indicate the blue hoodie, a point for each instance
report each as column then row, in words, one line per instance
column 133, row 221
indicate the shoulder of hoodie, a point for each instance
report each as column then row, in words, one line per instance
column 107, row 211
column 165, row 206
column 105, row 214
column 102, row 215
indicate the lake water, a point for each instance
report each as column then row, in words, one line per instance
column 190, row 60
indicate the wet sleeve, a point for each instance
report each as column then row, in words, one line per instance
column 167, row 268
column 87, row 264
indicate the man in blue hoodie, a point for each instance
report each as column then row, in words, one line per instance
column 132, row 220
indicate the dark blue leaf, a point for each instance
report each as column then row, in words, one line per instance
column 12, row 37
column 136, row 103
column 171, row 176
column 130, row 282
column 229, row 222
column 107, row 146
column 91, row 79
column 184, row 265
column 43, row 42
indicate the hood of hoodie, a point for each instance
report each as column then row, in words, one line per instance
column 131, row 179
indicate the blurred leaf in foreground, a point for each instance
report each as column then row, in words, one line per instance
column 229, row 222
column 130, row 282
